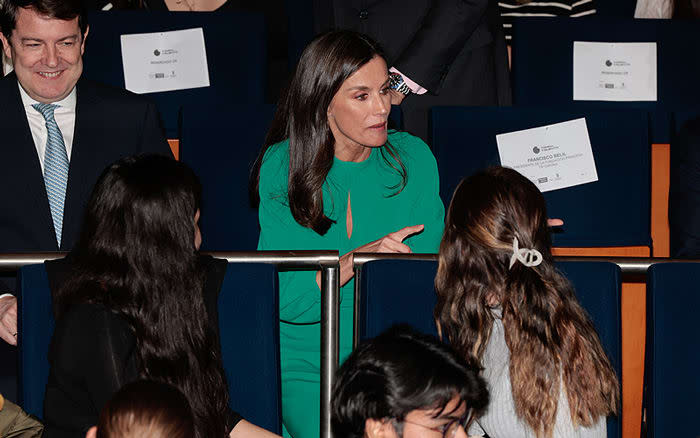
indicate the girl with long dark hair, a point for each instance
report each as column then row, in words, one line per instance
column 331, row 176
column 138, row 301
column 504, row 306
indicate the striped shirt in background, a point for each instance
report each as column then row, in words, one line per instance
column 562, row 8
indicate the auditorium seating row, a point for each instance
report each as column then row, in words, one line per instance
column 612, row 212
column 401, row 291
column 542, row 58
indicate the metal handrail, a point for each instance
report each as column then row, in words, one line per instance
column 628, row 265
column 326, row 261
column 633, row 269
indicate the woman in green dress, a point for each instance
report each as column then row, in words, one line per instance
column 331, row 176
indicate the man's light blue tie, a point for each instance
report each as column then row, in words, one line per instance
column 55, row 167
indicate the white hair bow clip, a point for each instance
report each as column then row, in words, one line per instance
column 526, row 256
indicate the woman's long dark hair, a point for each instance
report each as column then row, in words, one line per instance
column 548, row 333
column 136, row 256
column 302, row 117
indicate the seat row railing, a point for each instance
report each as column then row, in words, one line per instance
column 325, row 261
column 633, row 269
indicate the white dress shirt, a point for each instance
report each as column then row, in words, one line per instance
column 65, row 118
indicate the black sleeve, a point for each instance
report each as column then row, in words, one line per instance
column 434, row 47
column 153, row 136
column 89, row 361
column 684, row 192
column 215, row 271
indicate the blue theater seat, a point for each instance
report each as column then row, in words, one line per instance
column 220, row 143
column 613, row 211
column 236, row 46
column 248, row 325
column 548, row 80
column 402, row 291
column 672, row 386
column 35, row 324
column 396, row 292
column 250, row 342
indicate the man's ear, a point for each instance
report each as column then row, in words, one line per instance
column 92, row 432
column 6, row 46
column 379, row 428
column 82, row 44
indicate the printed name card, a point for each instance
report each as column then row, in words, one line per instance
column 164, row 61
column 553, row 157
column 620, row 72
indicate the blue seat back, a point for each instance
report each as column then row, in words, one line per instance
column 396, row 292
column 35, row 324
column 249, row 332
column 236, row 54
column 464, row 141
column 402, row 291
column 672, row 386
column 220, row 143
column 598, row 289
column 549, row 80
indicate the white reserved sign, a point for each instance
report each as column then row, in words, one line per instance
column 615, row 71
column 164, row 61
column 553, row 157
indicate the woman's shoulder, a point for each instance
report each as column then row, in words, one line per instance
column 410, row 147
column 275, row 164
column 276, row 153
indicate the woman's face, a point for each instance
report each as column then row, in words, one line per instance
column 422, row 423
column 358, row 112
column 197, row 233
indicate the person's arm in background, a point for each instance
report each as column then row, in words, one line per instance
column 445, row 29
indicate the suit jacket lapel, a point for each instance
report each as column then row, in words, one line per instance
column 84, row 142
column 22, row 163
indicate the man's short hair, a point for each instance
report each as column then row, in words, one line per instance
column 397, row 372
column 60, row 9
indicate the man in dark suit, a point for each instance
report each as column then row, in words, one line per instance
column 684, row 192
column 57, row 131
column 448, row 52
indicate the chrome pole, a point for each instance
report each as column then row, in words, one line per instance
column 329, row 341
column 292, row 260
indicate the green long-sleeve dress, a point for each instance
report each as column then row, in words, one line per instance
column 370, row 185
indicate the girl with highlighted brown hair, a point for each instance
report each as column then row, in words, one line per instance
column 504, row 306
